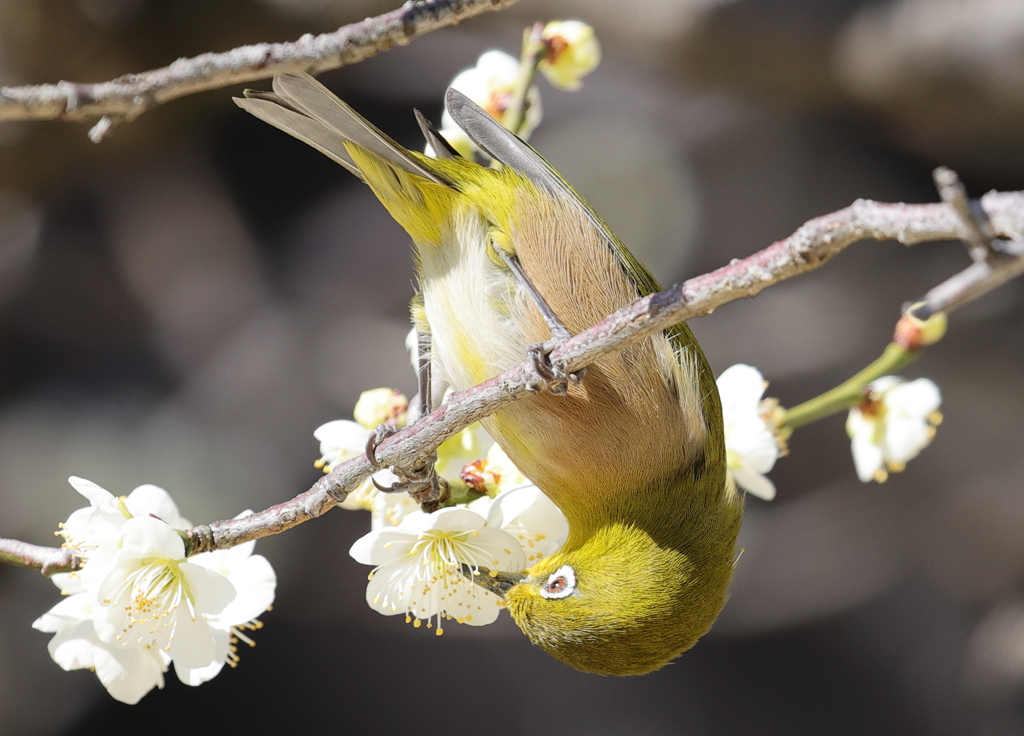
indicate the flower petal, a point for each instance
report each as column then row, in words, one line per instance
column 533, row 518
column 753, row 483
column 144, row 536
column 129, row 673
column 381, row 546
column 499, row 550
column 450, row 519
column 210, row 591
column 192, row 644
column 68, row 583
column 255, row 582
column 340, row 440
column 917, row 398
column 754, row 443
column 74, row 647
column 741, row 387
column 395, row 589
column 98, row 497
column 867, row 457
column 150, row 500
column 484, row 608
column 390, row 509
column 343, row 434
column 71, row 608
column 905, row 438
column 198, row 675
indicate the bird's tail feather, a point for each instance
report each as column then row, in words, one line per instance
column 305, row 109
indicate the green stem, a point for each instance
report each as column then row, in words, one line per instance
column 850, row 392
column 534, row 52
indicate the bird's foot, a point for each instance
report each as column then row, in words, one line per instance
column 550, row 376
column 377, row 436
column 423, row 484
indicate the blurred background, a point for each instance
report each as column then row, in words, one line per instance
column 185, row 302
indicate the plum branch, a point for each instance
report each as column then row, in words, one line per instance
column 125, row 98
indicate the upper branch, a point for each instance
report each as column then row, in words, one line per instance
column 809, row 247
column 127, row 97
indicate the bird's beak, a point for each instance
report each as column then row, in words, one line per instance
column 495, row 581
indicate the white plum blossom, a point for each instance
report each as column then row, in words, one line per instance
column 573, row 52
column 94, row 532
column 420, row 560
column 419, row 564
column 896, row 420
column 149, row 595
column 138, row 604
column 128, row 673
column 751, row 448
column 340, row 441
column 418, row 567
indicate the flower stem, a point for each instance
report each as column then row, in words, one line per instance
column 534, row 52
column 850, row 392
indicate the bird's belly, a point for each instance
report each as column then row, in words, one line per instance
column 468, row 302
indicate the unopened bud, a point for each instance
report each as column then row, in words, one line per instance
column 573, row 52
column 913, row 333
column 480, row 477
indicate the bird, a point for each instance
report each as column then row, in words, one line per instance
column 511, row 261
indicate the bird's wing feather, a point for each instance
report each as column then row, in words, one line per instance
column 504, row 146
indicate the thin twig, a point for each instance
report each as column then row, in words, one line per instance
column 127, row 97
column 996, row 261
column 809, row 247
column 534, row 49
column 978, row 229
column 977, row 279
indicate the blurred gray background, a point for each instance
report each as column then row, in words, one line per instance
column 184, row 303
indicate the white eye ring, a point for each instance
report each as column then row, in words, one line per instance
column 561, row 583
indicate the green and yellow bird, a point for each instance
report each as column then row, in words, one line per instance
column 633, row 454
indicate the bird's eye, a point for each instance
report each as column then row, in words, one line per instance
column 560, row 584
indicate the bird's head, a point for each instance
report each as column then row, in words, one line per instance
column 619, row 603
